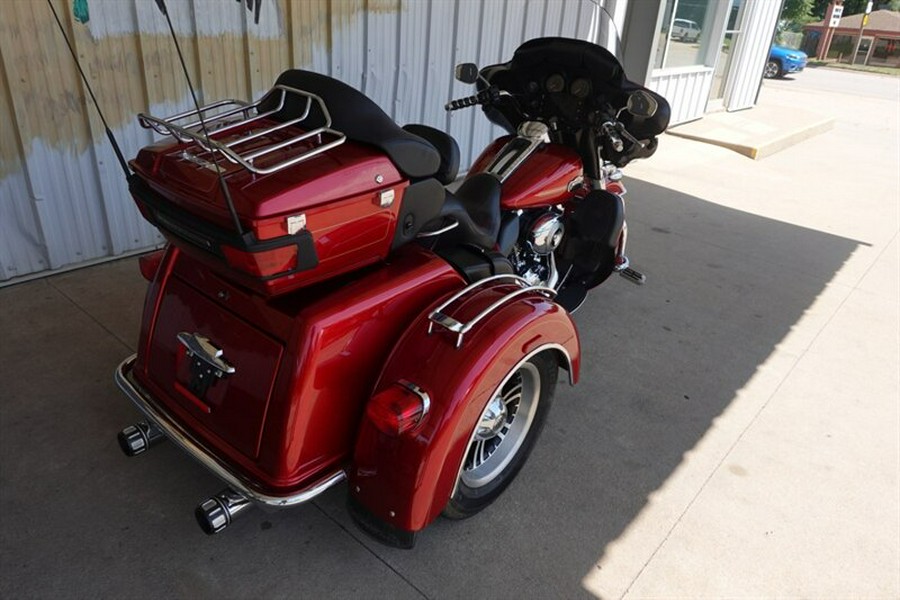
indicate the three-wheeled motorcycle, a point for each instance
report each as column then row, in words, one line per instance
column 326, row 309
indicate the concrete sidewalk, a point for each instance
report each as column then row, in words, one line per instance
column 758, row 132
column 736, row 432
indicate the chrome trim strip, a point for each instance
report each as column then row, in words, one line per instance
column 438, row 317
column 449, row 227
column 422, row 394
column 177, row 434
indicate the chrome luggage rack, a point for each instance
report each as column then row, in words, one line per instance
column 188, row 127
column 440, row 317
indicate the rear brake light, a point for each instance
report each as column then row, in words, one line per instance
column 262, row 264
column 398, row 409
column 149, row 264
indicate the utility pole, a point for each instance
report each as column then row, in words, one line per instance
column 862, row 25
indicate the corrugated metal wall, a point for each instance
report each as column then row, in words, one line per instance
column 686, row 89
column 751, row 53
column 63, row 199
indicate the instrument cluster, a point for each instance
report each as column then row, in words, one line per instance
column 560, row 95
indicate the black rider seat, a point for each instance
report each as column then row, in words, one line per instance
column 475, row 206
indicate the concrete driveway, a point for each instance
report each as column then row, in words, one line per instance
column 736, row 432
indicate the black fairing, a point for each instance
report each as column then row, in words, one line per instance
column 359, row 118
column 525, row 78
column 592, row 235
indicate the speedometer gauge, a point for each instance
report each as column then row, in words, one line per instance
column 580, row 88
column 555, row 83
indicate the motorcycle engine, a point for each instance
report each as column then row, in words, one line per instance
column 532, row 256
column 546, row 233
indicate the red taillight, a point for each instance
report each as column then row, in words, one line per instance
column 262, row 264
column 397, row 409
column 149, row 264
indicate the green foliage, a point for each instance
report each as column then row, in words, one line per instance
column 796, row 10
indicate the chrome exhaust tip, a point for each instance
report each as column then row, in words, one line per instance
column 140, row 437
column 219, row 511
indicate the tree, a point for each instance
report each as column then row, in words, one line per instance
column 797, row 10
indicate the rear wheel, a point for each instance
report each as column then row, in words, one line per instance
column 504, row 435
column 772, row 70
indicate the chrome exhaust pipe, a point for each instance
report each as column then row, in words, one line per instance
column 218, row 512
column 140, row 437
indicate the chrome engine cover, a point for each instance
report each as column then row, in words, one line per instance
column 546, row 233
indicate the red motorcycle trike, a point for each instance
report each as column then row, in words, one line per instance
column 326, row 309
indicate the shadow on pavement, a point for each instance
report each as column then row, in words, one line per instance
column 660, row 363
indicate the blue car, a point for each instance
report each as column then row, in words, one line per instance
column 784, row 60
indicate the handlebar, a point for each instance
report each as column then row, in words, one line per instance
column 611, row 132
column 482, row 97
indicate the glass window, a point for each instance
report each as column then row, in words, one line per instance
column 841, row 47
column 886, row 52
column 684, row 34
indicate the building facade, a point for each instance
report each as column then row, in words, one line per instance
column 878, row 45
column 63, row 199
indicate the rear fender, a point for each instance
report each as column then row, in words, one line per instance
column 400, row 484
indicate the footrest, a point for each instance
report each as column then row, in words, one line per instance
column 633, row 276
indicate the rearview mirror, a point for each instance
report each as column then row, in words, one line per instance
column 642, row 104
column 467, row 72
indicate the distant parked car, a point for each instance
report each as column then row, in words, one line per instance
column 784, row 60
column 684, row 30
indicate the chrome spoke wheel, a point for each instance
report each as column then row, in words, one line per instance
column 502, row 427
column 771, row 70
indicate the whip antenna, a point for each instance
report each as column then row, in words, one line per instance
column 222, row 185
column 87, row 85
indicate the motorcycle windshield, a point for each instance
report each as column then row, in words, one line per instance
column 574, row 80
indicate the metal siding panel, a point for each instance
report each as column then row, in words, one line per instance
column 59, row 162
column 412, row 69
column 533, row 26
column 751, row 53
column 21, row 250
column 553, row 12
column 222, row 50
column 116, row 73
column 382, row 58
column 310, row 32
column 489, row 53
column 439, row 66
column 268, row 53
column 686, row 92
column 512, row 24
column 468, row 39
column 348, row 34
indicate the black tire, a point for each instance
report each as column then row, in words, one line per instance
column 518, row 425
column 773, row 70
